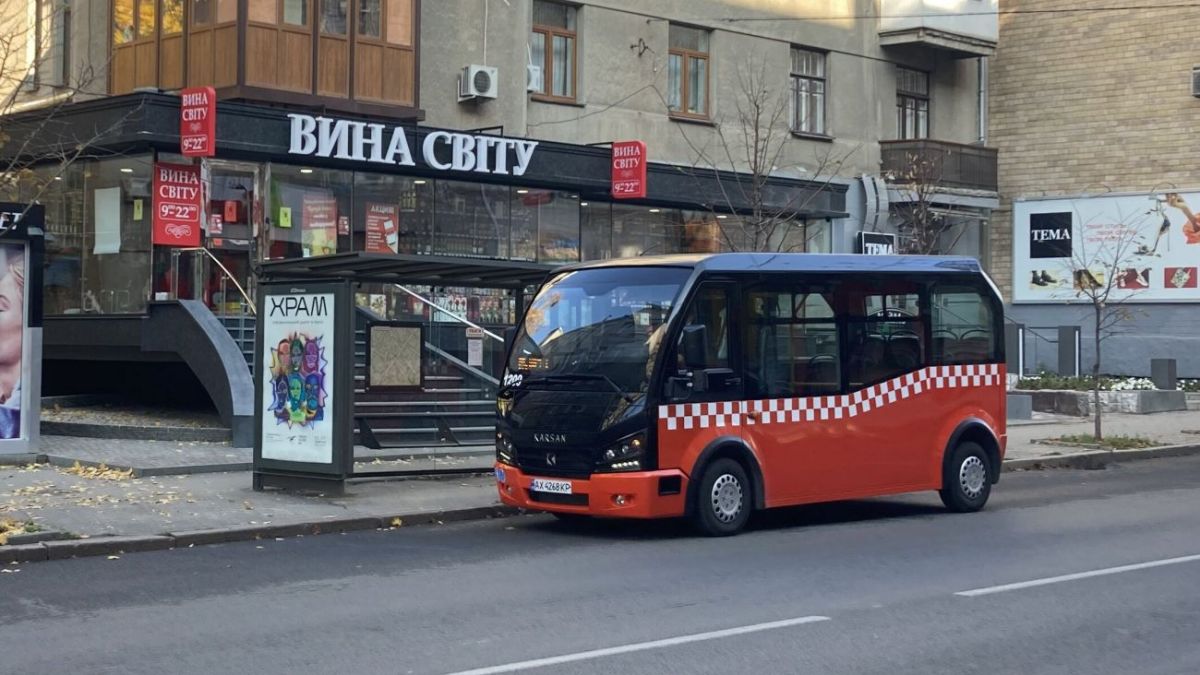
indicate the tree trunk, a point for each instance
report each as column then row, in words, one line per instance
column 1096, row 380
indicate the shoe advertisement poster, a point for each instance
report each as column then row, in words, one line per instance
column 297, row 371
column 1146, row 245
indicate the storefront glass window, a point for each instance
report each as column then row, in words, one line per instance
column 595, row 230
column 392, row 214
column 116, row 266
column 304, row 206
column 471, row 219
column 545, row 225
column 60, row 191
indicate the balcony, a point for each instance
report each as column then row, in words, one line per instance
column 959, row 28
column 948, row 165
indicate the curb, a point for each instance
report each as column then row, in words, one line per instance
column 96, row 546
column 131, row 433
column 1098, row 459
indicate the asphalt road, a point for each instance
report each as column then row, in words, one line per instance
column 862, row 587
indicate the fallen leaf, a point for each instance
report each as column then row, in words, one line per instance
column 397, row 522
column 114, row 557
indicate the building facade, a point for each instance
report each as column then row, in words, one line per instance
column 1092, row 108
column 789, row 126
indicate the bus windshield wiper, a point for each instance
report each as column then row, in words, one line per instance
column 574, row 377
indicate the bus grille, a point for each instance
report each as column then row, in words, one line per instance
column 567, row 463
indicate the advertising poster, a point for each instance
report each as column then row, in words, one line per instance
column 1148, row 244
column 298, row 346
column 12, row 334
column 176, row 204
column 320, row 225
column 383, row 229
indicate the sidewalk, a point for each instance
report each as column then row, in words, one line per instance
column 190, row 507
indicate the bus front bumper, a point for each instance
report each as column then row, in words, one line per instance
column 640, row 494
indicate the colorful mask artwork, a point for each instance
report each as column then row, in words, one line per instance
column 298, row 380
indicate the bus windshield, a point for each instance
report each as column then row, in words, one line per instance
column 603, row 324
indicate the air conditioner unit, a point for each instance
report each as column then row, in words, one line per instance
column 1196, row 81
column 533, row 78
column 477, row 82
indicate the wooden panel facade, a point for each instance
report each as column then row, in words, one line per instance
column 361, row 56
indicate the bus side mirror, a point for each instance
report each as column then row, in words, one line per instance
column 695, row 346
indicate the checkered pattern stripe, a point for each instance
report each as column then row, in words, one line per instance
column 813, row 408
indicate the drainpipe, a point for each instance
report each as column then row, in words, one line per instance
column 982, row 78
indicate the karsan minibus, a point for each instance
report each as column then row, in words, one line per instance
column 710, row 386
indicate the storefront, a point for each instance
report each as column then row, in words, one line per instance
column 289, row 184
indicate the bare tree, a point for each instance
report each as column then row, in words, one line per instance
column 33, row 132
column 924, row 225
column 751, row 150
column 1103, row 271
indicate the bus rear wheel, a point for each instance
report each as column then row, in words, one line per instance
column 966, row 483
column 722, row 499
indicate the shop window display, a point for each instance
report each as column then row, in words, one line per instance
column 471, row 220
column 304, row 207
column 392, row 214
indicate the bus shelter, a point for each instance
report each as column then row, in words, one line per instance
column 328, row 361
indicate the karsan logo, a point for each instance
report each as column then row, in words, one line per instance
column 298, row 305
column 440, row 150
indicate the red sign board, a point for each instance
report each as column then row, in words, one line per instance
column 629, row 170
column 198, row 122
column 176, row 204
column 382, row 228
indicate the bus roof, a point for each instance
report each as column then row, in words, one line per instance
column 797, row 262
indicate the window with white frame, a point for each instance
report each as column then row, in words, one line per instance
column 912, row 103
column 809, row 90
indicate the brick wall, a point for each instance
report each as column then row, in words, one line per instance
column 1088, row 101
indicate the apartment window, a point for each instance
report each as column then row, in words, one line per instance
column 687, row 72
column 370, row 15
column 912, row 103
column 808, row 91
column 334, row 15
column 65, row 72
column 552, row 47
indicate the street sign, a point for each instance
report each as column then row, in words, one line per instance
column 198, row 122
column 876, row 243
column 177, row 203
column 629, row 170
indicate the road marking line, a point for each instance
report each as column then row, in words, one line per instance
column 643, row 646
column 1078, row 575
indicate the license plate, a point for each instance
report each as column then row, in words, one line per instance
column 558, row 487
column 499, row 475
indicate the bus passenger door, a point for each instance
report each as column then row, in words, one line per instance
column 703, row 383
column 793, row 377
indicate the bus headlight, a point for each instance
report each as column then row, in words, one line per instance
column 624, row 455
column 504, row 449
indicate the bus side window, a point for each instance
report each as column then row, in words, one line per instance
column 709, row 308
column 962, row 325
column 885, row 331
column 791, row 343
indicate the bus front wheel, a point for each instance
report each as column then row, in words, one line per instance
column 723, row 499
column 965, row 484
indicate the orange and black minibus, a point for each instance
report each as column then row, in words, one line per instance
column 711, row 386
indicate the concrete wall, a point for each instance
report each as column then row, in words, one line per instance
column 621, row 93
column 88, row 53
column 1152, row 332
